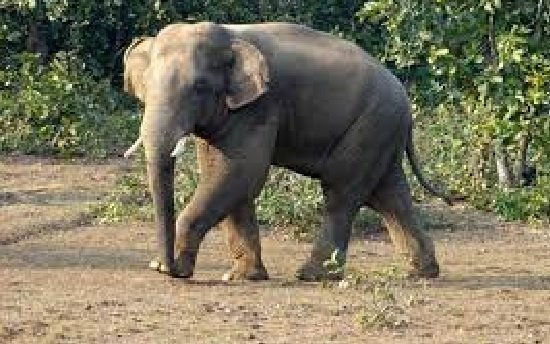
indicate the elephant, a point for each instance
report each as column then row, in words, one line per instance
column 257, row 95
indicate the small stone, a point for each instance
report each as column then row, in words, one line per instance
column 154, row 265
column 343, row 284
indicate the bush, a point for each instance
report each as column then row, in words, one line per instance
column 478, row 75
column 288, row 201
column 292, row 201
column 532, row 204
column 58, row 109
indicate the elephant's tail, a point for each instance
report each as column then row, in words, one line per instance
column 411, row 155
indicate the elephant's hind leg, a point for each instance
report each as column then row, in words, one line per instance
column 332, row 240
column 352, row 171
column 243, row 239
column 392, row 199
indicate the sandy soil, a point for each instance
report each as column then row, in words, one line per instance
column 63, row 280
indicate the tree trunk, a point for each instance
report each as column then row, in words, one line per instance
column 521, row 163
column 36, row 36
column 504, row 173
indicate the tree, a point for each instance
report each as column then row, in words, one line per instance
column 478, row 73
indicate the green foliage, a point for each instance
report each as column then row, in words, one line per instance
column 532, row 204
column 130, row 199
column 287, row 201
column 335, row 265
column 478, row 74
column 386, row 306
column 57, row 109
column 291, row 201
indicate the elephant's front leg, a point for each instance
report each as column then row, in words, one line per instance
column 231, row 177
column 243, row 238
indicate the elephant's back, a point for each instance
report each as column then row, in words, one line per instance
column 325, row 82
column 299, row 54
column 281, row 30
column 299, row 37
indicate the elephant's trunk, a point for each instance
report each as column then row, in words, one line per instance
column 160, row 136
column 161, row 183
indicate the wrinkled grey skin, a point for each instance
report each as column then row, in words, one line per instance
column 273, row 94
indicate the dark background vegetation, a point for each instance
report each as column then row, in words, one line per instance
column 478, row 73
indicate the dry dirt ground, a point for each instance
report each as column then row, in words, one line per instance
column 63, row 280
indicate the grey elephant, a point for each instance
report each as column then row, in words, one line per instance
column 273, row 94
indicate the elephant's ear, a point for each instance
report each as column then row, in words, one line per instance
column 136, row 61
column 249, row 75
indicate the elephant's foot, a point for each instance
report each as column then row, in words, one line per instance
column 243, row 271
column 432, row 272
column 316, row 271
column 424, row 268
column 184, row 265
column 183, row 268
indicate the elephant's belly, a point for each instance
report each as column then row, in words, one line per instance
column 306, row 164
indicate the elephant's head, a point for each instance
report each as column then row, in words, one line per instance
column 193, row 74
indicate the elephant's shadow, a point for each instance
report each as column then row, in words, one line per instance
column 48, row 256
column 57, row 257
column 107, row 258
column 52, row 257
column 504, row 282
